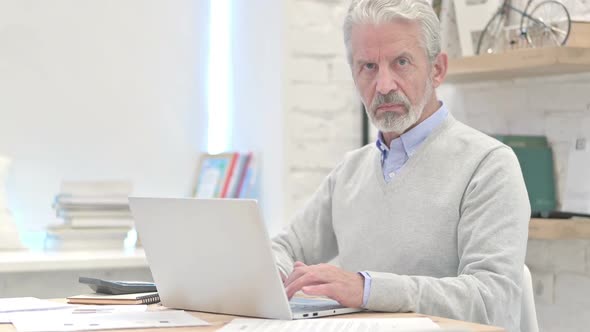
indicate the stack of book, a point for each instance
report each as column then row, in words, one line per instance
column 227, row 175
column 94, row 215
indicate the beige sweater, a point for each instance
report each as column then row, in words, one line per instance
column 446, row 237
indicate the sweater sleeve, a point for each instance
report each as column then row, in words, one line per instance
column 492, row 234
column 310, row 237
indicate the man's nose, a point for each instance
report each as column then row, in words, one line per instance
column 386, row 82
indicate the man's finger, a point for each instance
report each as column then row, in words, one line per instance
column 314, row 275
column 328, row 290
column 299, row 268
column 305, row 280
column 298, row 264
column 298, row 271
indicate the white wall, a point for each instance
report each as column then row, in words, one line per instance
column 100, row 89
column 258, row 121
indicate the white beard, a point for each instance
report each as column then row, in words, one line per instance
column 391, row 122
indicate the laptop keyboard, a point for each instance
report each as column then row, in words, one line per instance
column 306, row 305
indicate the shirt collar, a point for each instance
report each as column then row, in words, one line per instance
column 411, row 140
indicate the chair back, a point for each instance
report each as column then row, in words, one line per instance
column 528, row 313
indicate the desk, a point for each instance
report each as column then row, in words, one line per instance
column 217, row 321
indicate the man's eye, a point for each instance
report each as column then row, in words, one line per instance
column 370, row 66
column 403, row 62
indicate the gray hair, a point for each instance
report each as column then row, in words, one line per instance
column 385, row 11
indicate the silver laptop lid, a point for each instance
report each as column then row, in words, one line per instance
column 210, row 255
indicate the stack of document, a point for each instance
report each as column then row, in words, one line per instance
column 94, row 215
column 89, row 321
column 34, row 315
column 11, row 306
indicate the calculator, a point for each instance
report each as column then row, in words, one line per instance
column 117, row 287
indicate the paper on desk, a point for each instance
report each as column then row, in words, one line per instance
column 106, row 309
column 126, row 320
column 17, row 305
column 331, row 325
column 72, row 309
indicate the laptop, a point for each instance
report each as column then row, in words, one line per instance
column 214, row 255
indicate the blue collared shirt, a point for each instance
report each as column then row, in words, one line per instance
column 403, row 147
column 394, row 157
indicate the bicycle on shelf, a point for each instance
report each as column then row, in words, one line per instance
column 542, row 23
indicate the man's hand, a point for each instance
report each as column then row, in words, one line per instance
column 326, row 280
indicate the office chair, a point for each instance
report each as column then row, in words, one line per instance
column 528, row 313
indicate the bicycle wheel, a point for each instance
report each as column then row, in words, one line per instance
column 524, row 18
column 492, row 37
column 548, row 24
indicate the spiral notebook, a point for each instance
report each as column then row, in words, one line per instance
column 97, row 298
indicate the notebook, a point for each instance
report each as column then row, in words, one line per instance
column 97, row 298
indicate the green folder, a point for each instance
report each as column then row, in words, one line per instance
column 536, row 161
column 523, row 141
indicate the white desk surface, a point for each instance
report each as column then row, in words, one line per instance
column 24, row 261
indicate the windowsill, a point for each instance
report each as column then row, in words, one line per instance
column 31, row 261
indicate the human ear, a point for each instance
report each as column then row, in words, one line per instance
column 439, row 67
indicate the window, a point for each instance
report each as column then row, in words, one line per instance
column 219, row 78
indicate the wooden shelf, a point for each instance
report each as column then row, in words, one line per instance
column 519, row 63
column 559, row 229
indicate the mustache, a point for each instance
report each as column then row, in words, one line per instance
column 390, row 98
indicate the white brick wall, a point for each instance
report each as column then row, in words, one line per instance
column 323, row 122
column 322, row 117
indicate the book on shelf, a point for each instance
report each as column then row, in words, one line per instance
column 249, row 186
column 230, row 172
column 66, row 238
column 74, row 223
column 86, row 234
column 237, row 178
column 94, row 213
column 93, row 195
column 99, row 298
column 96, row 188
column 52, row 244
column 111, row 201
column 231, row 180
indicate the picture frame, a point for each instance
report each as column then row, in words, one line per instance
column 212, row 174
